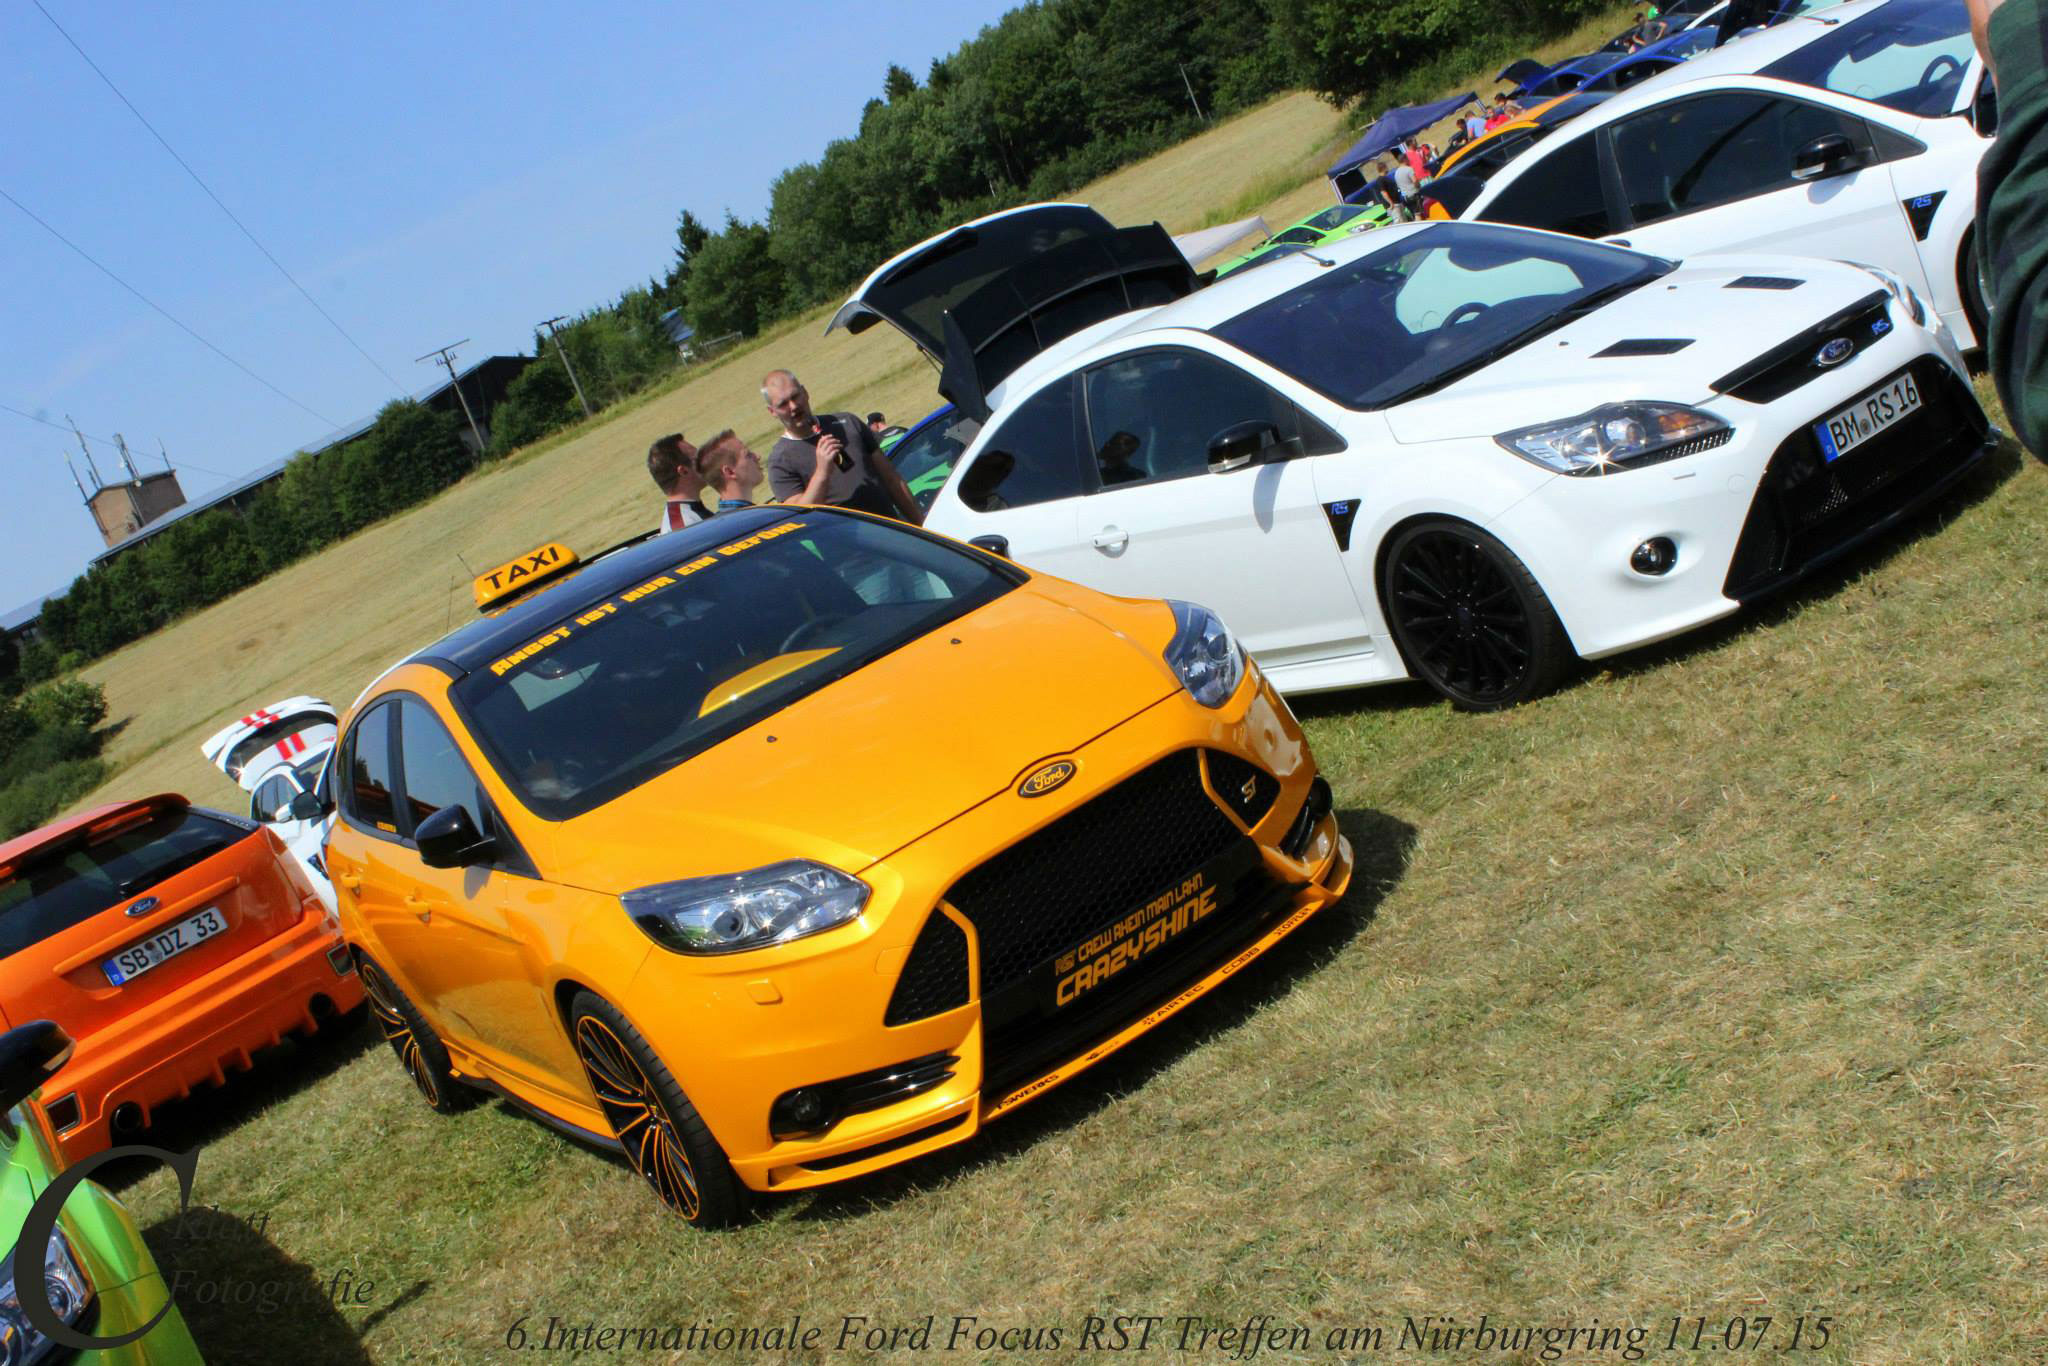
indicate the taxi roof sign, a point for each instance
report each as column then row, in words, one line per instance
column 522, row 572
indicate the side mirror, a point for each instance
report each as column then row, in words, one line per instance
column 1825, row 156
column 29, row 1056
column 306, row 806
column 1235, row 447
column 449, row 839
column 994, row 545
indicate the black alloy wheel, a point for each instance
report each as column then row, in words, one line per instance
column 664, row 1138
column 418, row 1047
column 1469, row 617
column 1971, row 281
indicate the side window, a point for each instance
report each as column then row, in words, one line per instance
column 272, row 797
column 432, row 769
column 1694, row 154
column 1560, row 192
column 1030, row 458
column 1152, row 415
column 368, row 797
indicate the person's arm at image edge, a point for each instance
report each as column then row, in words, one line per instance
column 2012, row 206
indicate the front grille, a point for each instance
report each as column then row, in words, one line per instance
column 934, row 977
column 1104, row 858
column 1783, row 368
column 1808, row 510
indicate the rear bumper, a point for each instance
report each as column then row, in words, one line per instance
column 196, row 1036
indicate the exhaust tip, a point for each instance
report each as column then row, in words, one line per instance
column 126, row 1121
column 322, row 1008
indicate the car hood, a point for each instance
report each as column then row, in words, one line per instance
column 1711, row 303
column 872, row 762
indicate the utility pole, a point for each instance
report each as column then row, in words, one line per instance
column 443, row 353
column 552, row 332
column 1191, row 93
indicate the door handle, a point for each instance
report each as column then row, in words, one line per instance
column 1111, row 538
column 419, row 906
column 349, row 880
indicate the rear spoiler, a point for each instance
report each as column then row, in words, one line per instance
column 1050, row 297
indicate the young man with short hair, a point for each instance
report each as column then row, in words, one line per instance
column 726, row 464
column 672, row 464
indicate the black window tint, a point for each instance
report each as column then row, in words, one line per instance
column 433, row 769
column 77, row 877
column 1031, row 457
column 272, row 797
column 1151, row 416
column 1694, row 154
column 369, row 771
column 1560, row 192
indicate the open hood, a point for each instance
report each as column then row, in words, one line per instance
column 989, row 295
column 284, row 732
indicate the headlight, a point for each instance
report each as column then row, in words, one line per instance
column 750, row 910
column 69, row 1292
column 1616, row 436
column 1900, row 291
column 1204, row 655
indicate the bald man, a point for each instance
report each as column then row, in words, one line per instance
column 831, row 460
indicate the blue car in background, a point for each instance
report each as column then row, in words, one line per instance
column 1645, row 62
column 925, row 454
column 1535, row 82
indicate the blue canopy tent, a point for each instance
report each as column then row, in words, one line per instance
column 1348, row 174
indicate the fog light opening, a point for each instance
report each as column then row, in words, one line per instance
column 1654, row 557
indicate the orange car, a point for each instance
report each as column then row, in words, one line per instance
column 171, row 942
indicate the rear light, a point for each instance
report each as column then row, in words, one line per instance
column 338, row 958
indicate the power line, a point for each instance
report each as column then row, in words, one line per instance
column 108, row 441
column 161, row 309
column 216, row 198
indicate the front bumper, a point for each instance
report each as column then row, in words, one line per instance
column 1751, row 516
column 214, row 1024
column 844, row 1008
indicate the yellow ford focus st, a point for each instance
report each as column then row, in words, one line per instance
column 802, row 843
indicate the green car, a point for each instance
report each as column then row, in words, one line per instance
column 98, row 1276
column 1330, row 225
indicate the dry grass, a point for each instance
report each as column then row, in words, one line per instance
column 1712, row 985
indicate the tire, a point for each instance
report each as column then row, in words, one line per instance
column 1971, row 285
column 1470, row 618
column 418, row 1047
column 664, row 1138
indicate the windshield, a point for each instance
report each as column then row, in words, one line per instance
column 75, row 879
column 928, row 454
column 628, row 688
column 1435, row 305
column 1908, row 55
column 1332, row 218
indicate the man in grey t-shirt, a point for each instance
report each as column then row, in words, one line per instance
column 833, row 459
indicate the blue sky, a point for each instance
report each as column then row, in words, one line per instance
column 426, row 172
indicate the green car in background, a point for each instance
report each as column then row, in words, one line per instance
column 97, row 1273
column 1330, row 225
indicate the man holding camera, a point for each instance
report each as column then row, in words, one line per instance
column 831, row 459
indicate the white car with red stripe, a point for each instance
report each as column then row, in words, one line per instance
column 276, row 753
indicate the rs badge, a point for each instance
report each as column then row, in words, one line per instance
column 1043, row 780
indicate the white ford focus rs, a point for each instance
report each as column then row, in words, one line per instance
column 1447, row 451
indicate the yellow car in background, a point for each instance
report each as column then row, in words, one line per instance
column 802, row 843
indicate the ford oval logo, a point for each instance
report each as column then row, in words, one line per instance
column 144, row 906
column 1043, row 780
column 1835, row 352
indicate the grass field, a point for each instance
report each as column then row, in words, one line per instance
column 1708, row 989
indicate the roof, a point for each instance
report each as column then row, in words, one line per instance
column 602, row 576
column 25, row 615
column 265, row 473
column 1393, row 128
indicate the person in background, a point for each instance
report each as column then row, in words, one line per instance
column 2012, row 212
column 877, row 423
column 671, row 462
column 832, row 460
column 727, row 466
column 1418, row 159
column 1475, row 123
column 1405, row 183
